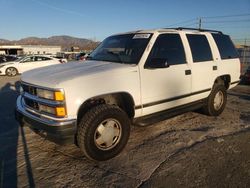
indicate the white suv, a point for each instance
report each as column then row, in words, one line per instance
column 137, row 77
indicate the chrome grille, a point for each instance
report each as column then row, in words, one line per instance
column 29, row 89
column 32, row 104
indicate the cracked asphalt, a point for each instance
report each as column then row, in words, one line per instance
column 189, row 150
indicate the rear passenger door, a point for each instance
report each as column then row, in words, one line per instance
column 166, row 85
column 204, row 66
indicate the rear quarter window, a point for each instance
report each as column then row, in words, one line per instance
column 225, row 46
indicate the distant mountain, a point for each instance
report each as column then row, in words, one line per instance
column 3, row 41
column 66, row 42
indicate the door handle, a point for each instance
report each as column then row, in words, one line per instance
column 188, row 72
column 214, row 67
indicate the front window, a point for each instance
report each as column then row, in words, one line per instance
column 168, row 48
column 127, row 48
column 27, row 59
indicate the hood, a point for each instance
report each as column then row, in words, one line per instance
column 52, row 76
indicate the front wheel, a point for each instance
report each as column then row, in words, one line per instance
column 103, row 132
column 11, row 71
column 216, row 101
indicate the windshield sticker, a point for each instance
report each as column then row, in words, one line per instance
column 141, row 36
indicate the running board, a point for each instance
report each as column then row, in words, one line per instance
column 166, row 114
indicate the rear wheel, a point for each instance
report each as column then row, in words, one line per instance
column 216, row 101
column 103, row 132
column 11, row 71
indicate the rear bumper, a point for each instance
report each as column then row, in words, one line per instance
column 60, row 132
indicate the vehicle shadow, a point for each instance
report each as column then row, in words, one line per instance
column 241, row 96
column 9, row 133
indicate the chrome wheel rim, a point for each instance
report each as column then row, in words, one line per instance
column 218, row 100
column 11, row 71
column 108, row 134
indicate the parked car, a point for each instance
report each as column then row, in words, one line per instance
column 60, row 58
column 26, row 63
column 245, row 79
column 137, row 77
column 81, row 57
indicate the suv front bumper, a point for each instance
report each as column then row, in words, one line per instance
column 60, row 132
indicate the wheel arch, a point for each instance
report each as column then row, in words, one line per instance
column 122, row 99
column 224, row 80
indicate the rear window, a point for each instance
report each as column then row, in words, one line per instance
column 200, row 48
column 225, row 46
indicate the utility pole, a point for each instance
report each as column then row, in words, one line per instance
column 244, row 55
column 199, row 23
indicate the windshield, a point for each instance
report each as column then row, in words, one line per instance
column 127, row 48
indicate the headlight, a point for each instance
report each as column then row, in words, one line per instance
column 57, row 111
column 52, row 95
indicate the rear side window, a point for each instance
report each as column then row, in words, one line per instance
column 225, row 46
column 168, row 47
column 200, row 48
column 46, row 58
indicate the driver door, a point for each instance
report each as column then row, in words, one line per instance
column 166, row 77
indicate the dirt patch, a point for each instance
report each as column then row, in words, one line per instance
column 221, row 162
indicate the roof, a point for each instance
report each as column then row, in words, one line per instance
column 173, row 30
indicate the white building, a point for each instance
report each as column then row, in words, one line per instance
column 29, row 49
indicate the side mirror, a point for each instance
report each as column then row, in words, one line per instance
column 155, row 63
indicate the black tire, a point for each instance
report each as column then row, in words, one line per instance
column 213, row 106
column 92, row 127
column 11, row 71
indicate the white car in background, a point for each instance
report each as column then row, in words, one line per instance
column 26, row 63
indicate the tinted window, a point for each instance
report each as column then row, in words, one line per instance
column 199, row 47
column 38, row 58
column 46, row 58
column 168, row 48
column 225, row 46
column 28, row 59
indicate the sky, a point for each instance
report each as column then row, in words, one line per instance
column 97, row 19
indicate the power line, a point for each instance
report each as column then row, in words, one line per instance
column 189, row 25
column 233, row 26
column 226, row 16
column 246, row 39
column 183, row 22
column 227, row 21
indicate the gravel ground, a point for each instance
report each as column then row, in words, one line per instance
column 189, row 150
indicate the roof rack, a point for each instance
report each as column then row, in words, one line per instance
column 195, row 29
